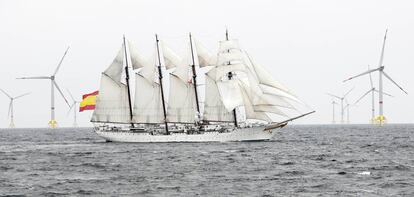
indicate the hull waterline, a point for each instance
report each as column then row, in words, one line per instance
column 243, row 134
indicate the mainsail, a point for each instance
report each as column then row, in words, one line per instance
column 182, row 102
column 148, row 103
column 112, row 102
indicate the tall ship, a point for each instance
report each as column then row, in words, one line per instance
column 210, row 98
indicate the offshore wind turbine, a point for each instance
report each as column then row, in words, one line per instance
column 73, row 106
column 381, row 118
column 11, row 108
column 373, row 90
column 342, row 102
column 52, row 122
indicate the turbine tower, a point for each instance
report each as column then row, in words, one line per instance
column 52, row 122
column 73, row 106
column 342, row 102
column 347, row 106
column 11, row 109
column 333, row 111
column 381, row 118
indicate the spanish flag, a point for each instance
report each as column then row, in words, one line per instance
column 88, row 101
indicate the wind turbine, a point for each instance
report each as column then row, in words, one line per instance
column 373, row 90
column 347, row 106
column 11, row 109
column 333, row 111
column 381, row 118
column 342, row 102
column 73, row 106
column 52, row 122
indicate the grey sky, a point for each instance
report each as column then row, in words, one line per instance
column 310, row 46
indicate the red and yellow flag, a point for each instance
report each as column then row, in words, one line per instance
column 88, row 101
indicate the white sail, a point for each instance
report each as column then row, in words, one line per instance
column 181, row 105
column 270, row 85
column 114, row 71
column 150, row 70
column 205, row 58
column 249, row 109
column 227, row 45
column 230, row 56
column 171, row 59
column 230, row 94
column 112, row 102
column 137, row 61
column 223, row 70
column 148, row 103
column 214, row 109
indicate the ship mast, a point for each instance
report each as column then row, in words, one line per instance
column 230, row 76
column 127, row 83
column 160, row 81
column 194, row 77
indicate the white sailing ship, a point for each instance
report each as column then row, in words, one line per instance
column 241, row 102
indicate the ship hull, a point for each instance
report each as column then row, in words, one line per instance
column 242, row 134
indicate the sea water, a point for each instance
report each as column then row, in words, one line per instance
column 305, row 160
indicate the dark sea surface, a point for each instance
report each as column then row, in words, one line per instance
column 352, row 160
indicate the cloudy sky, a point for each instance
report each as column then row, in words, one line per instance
column 310, row 46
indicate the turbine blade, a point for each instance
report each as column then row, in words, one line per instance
column 360, row 98
column 334, row 96
column 61, row 93
column 348, row 92
column 70, row 108
column 384, row 93
column 364, row 73
column 40, row 77
column 386, row 75
column 22, row 95
column 383, row 49
column 70, row 94
column 4, row 92
column 60, row 63
column 370, row 78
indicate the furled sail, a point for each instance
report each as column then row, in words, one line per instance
column 112, row 102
